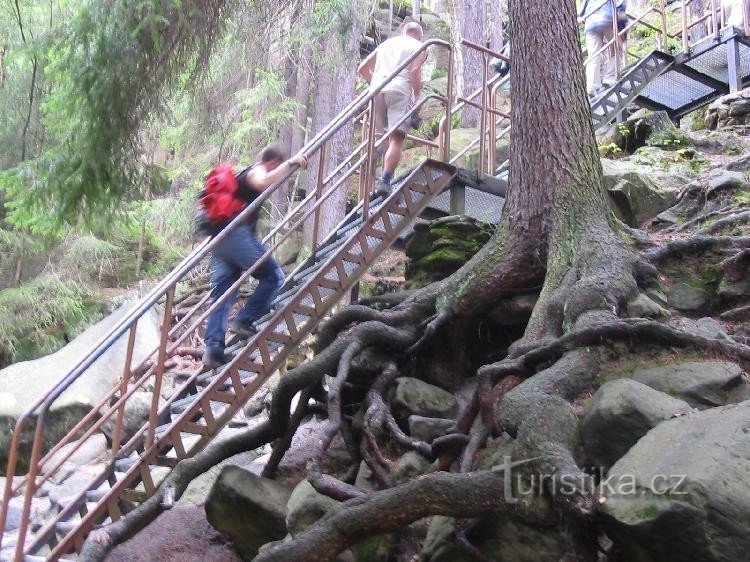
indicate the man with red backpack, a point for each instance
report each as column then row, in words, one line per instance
column 240, row 250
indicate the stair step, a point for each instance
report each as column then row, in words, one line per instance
column 93, row 496
column 65, row 527
column 179, row 406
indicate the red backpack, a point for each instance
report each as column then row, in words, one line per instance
column 219, row 197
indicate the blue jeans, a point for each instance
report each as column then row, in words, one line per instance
column 233, row 256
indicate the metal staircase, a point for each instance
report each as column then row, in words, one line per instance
column 191, row 405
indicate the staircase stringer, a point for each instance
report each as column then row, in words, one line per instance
column 398, row 210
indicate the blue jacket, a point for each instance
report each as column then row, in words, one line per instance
column 601, row 18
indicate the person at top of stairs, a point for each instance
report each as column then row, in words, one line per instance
column 598, row 19
column 397, row 97
column 733, row 13
column 237, row 253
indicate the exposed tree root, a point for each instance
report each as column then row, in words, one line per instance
column 100, row 542
column 693, row 245
column 719, row 225
column 387, row 511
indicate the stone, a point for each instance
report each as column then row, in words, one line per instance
column 429, row 429
column 199, row 488
column 410, row 465
column 705, row 327
column 65, row 493
column 719, row 180
column 137, row 409
column 741, row 164
column 701, row 384
column 413, row 396
column 633, row 196
column 686, row 297
column 89, row 450
column 643, row 307
column 619, row 414
column 499, row 537
column 25, row 382
column 305, row 507
column 248, row 509
column 683, row 491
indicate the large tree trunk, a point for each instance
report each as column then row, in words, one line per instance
column 338, row 65
column 470, row 25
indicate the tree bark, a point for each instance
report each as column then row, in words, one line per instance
column 495, row 26
column 470, row 25
column 338, row 65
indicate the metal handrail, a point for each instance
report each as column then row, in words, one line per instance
column 40, row 407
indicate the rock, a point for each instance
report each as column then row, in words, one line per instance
column 707, row 383
column 731, row 109
column 248, row 509
column 89, row 450
column 23, row 383
column 643, row 307
column 682, row 493
column 741, row 164
column 199, row 488
column 705, row 327
column 413, row 396
column 634, row 197
column 499, row 537
column 137, row 409
column 719, row 180
column 687, row 298
column 439, row 248
column 429, row 429
column 410, row 465
column 620, row 413
column 305, row 507
column 65, row 493
column 364, row 479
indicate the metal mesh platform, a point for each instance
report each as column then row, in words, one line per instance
column 713, row 62
column 675, row 90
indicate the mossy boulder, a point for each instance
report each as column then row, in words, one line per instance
column 439, row 248
column 683, row 491
column 633, row 196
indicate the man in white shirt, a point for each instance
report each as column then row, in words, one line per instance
column 397, row 97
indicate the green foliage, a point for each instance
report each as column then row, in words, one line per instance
column 265, row 109
column 109, row 69
column 611, row 149
column 36, row 318
column 439, row 73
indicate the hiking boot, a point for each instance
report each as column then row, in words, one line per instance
column 243, row 328
column 214, row 357
column 382, row 189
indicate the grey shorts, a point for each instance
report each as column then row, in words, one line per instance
column 390, row 107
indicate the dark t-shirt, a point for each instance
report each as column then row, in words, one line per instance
column 247, row 194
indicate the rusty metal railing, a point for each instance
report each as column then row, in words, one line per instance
column 151, row 371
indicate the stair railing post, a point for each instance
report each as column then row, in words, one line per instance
column 493, row 130
column 159, row 374
column 446, row 133
column 616, row 42
column 370, row 162
column 714, row 20
column 363, row 151
column 664, row 32
column 124, row 379
column 483, row 120
column 685, row 29
column 318, row 192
